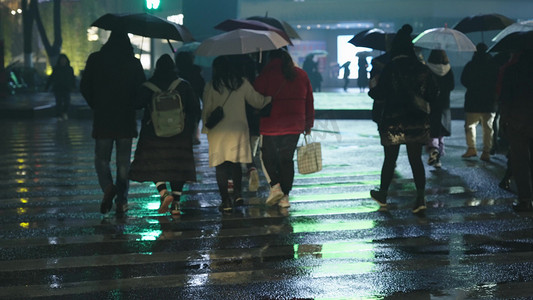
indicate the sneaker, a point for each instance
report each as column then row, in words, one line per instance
column 253, row 180
column 380, row 197
column 239, row 201
column 433, row 156
column 166, row 200
column 485, row 156
column 107, row 202
column 275, row 195
column 420, row 205
column 175, row 208
column 438, row 164
column 284, row 202
column 470, row 152
column 121, row 208
column 225, row 206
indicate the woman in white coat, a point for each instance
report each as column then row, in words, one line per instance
column 229, row 143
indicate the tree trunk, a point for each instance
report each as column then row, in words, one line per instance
column 53, row 50
column 27, row 26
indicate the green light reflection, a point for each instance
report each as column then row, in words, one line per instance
column 334, row 210
column 305, row 225
column 344, row 184
column 329, row 197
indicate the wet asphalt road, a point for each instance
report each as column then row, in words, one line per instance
column 332, row 243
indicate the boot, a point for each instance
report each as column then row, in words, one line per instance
column 470, row 152
column 420, row 204
column 380, row 197
column 485, row 156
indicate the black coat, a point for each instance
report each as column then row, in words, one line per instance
column 406, row 88
column 168, row 159
column 479, row 78
column 108, row 84
column 440, row 115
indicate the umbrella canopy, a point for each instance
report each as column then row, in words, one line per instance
column 144, row 24
column 444, row 39
column 241, row 41
column 484, row 22
column 202, row 61
column 280, row 24
column 373, row 38
column 515, row 27
column 514, row 42
column 232, row 24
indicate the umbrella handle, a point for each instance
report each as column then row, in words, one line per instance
column 171, row 47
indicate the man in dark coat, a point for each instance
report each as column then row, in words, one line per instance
column 109, row 82
column 516, row 111
column 479, row 78
column 63, row 82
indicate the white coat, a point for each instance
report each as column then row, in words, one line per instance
column 229, row 140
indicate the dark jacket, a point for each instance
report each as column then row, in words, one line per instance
column 479, row 78
column 108, row 84
column 292, row 101
column 406, row 88
column 62, row 79
column 440, row 115
column 165, row 158
column 516, row 99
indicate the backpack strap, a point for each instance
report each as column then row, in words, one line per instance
column 174, row 84
column 152, row 86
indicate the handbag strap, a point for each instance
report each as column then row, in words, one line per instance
column 226, row 98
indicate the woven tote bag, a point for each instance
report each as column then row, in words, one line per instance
column 309, row 157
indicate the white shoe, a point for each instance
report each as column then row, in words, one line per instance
column 275, row 195
column 253, row 180
column 284, row 202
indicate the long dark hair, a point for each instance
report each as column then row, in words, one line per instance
column 287, row 64
column 226, row 75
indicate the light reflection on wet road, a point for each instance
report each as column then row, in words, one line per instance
column 332, row 243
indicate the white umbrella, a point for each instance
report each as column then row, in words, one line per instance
column 241, row 41
column 515, row 27
column 444, row 39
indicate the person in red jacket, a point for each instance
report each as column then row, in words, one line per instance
column 292, row 113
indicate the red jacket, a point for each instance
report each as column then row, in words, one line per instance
column 292, row 101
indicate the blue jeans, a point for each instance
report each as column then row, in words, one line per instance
column 103, row 151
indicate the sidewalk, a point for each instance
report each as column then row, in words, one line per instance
column 332, row 103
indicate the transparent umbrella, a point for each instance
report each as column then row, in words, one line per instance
column 515, row 27
column 446, row 39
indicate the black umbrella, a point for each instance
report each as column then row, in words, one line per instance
column 484, row 22
column 286, row 27
column 373, row 38
column 514, row 42
column 146, row 25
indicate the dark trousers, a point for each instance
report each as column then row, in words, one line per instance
column 225, row 171
column 103, row 151
column 278, row 155
column 521, row 163
column 414, row 153
column 62, row 102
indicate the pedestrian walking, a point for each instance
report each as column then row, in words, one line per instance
column 440, row 114
column 346, row 74
column 193, row 74
column 292, row 114
column 163, row 160
column 516, row 109
column 63, row 82
column 362, row 73
column 479, row 78
column 108, row 84
column 406, row 88
column 229, row 140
